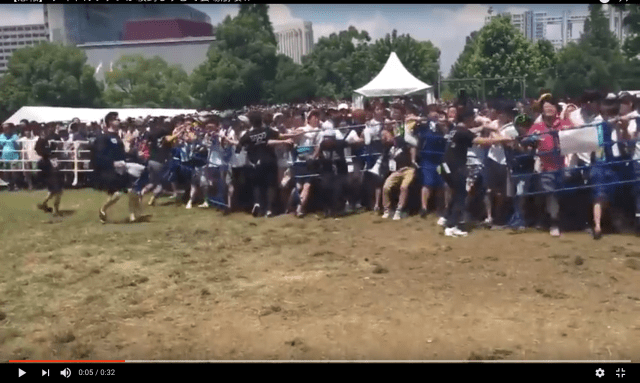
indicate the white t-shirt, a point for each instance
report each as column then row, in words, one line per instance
column 237, row 160
column 633, row 128
column 308, row 140
column 496, row 152
column 577, row 118
column 372, row 131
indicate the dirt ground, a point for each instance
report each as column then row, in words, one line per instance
column 194, row 285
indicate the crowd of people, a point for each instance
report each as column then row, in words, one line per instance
column 496, row 165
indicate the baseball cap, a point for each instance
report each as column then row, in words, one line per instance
column 343, row 106
column 244, row 119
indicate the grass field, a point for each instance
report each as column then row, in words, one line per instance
column 192, row 284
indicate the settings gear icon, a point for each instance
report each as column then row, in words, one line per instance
column 599, row 373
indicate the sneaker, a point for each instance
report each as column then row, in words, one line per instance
column 103, row 216
column 204, row 205
column 44, row 208
column 173, row 196
column 269, row 214
column 423, row 213
column 189, row 205
column 442, row 221
column 386, row 214
column 132, row 218
column 347, row 208
column 448, row 232
column 256, row 210
column 399, row 215
column 152, row 201
column 555, row 232
column 597, row 235
column 376, row 209
column 459, row 233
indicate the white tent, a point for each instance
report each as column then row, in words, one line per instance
column 393, row 80
column 45, row 114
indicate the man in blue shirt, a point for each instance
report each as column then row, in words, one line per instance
column 10, row 153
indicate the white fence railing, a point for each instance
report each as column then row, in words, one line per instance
column 68, row 155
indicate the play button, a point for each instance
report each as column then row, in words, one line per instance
column 20, row 373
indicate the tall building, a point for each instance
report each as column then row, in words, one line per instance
column 533, row 25
column 165, row 29
column 19, row 36
column 82, row 24
column 294, row 40
column 187, row 52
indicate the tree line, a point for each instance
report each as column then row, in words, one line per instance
column 243, row 67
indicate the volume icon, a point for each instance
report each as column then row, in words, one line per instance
column 66, row 373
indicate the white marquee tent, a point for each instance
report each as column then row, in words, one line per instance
column 393, row 80
column 45, row 114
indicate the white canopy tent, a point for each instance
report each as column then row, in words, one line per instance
column 393, row 80
column 45, row 114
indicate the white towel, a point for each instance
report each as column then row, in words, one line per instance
column 583, row 140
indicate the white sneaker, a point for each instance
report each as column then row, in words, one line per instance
column 442, row 221
column 204, row 205
column 459, row 232
column 448, row 232
column 189, row 205
column 132, row 218
column 269, row 214
column 399, row 215
column 555, row 232
column 347, row 208
column 386, row 214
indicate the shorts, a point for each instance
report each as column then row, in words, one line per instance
column 112, row 182
column 264, row 175
column 155, row 172
column 304, row 171
column 430, row 176
column 403, row 178
column 50, row 176
column 600, row 175
column 496, row 176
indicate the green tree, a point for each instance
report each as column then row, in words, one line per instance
column 48, row 75
column 291, row 85
column 151, row 83
column 595, row 62
column 240, row 66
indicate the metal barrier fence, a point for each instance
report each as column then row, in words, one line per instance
column 69, row 155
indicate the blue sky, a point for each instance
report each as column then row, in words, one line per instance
column 445, row 25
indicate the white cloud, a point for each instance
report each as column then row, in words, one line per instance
column 20, row 15
column 280, row 14
column 221, row 12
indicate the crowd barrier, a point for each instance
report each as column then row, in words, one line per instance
column 73, row 155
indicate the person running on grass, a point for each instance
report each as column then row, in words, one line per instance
column 49, row 172
column 111, row 170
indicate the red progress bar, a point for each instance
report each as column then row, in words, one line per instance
column 66, row 361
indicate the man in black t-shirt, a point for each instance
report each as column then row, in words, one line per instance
column 111, row 170
column 453, row 169
column 49, row 172
column 259, row 142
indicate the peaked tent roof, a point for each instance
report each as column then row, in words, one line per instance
column 393, row 80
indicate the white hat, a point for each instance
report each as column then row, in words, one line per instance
column 167, row 120
column 343, row 106
column 244, row 119
column 611, row 96
column 277, row 115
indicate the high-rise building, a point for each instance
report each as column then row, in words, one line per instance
column 81, row 24
column 165, row 29
column 533, row 25
column 294, row 40
column 19, row 36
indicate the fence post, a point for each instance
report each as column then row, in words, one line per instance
column 75, row 163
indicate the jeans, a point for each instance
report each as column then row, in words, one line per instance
column 457, row 181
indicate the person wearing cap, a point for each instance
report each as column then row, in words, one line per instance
column 551, row 163
column 111, row 170
column 453, row 167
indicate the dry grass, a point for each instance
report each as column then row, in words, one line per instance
column 196, row 285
